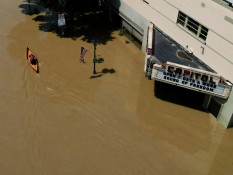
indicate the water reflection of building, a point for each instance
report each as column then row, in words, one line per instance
column 201, row 38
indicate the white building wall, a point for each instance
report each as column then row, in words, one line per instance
column 218, row 47
column 218, row 51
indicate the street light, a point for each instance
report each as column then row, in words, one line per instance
column 95, row 42
column 98, row 59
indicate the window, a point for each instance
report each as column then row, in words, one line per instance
column 192, row 26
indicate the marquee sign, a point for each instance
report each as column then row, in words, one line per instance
column 193, row 74
column 192, row 78
column 184, row 76
column 149, row 39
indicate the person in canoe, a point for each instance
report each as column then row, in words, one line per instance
column 33, row 59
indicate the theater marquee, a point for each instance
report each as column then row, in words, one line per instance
column 191, row 78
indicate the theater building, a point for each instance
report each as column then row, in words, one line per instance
column 187, row 44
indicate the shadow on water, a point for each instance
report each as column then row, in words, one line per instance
column 84, row 19
column 104, row 71
column 179, row 95
column 29, row 8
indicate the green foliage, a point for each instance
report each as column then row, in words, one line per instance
column 98, row 60
column 120, row 33
column 127, row 42
column 85, row 19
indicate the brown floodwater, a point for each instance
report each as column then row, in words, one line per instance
column 68, row 121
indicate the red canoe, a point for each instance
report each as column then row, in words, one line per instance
column 32, row 60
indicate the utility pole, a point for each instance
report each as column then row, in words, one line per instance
column 29, row 6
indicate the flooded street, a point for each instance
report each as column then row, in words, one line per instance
column 68, row 121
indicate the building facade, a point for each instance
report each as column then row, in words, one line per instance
column 203, row 28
